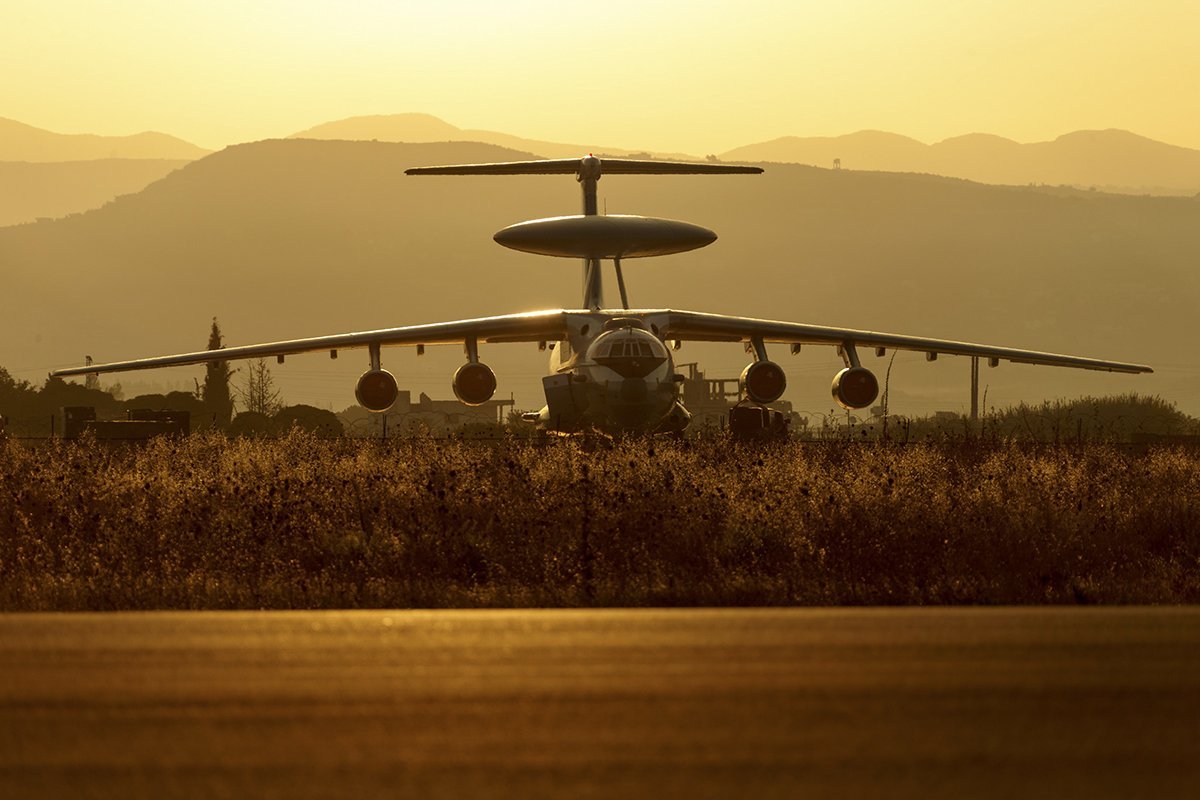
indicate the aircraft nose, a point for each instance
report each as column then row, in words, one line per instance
column 633, row 390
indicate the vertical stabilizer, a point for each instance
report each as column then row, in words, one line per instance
column 587, row 171
column 593, row 280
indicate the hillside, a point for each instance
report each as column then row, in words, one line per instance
column 55, row 189
column 297, row 237
column 1110, row 160
column 428, row 128
column 21, row 142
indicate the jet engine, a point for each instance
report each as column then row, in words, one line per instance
column 376, row 390
column 474, row 383
column 763, row 381
column 855, row 387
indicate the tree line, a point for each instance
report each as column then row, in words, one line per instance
column 29, row 410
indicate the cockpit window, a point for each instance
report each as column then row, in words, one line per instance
column 630, row 354
column 627, row 348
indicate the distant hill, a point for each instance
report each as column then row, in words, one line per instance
column 1109, row 160
column 55, row 189
column 428, row 128
column 21, row 142
column 291, row 238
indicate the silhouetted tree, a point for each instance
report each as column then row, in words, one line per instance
column 18, row 401
column 320, row 421
column 171, row 401
column 10, row 385
column 250, row 423
column 216, row 394
column 259, row 394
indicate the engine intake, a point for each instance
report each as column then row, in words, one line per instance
column 855, row 387
column 474, row 383
column 763, row 381
column 376, row 390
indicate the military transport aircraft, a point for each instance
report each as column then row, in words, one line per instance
column 612, row 368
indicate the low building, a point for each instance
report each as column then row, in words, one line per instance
column 709, row 399
column 425, row 417
column 139, row 424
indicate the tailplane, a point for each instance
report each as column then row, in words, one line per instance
column 587, row 171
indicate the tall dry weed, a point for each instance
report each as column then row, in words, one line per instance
column 303, row 522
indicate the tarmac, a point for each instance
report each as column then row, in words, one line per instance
column 913, row 702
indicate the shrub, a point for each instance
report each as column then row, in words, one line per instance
column 317, row 421
column 301, row 522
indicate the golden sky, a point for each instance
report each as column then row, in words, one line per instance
column 701, row 77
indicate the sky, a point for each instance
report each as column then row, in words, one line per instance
column 698, row 77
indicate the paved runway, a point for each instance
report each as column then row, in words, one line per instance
column 1043, row 702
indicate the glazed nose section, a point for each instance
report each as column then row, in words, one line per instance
column 630, row 357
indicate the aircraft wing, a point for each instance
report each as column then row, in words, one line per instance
column 530, row 327
column 697, row 326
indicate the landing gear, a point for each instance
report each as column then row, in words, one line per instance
column 753, row 422
column 675, row 422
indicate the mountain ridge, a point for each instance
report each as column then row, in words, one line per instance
column 421, row 128
column 1112, row 159
column 52, row 175
column 37, row 190
column 23, row 142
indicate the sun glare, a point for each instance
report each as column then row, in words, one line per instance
column 698, row 77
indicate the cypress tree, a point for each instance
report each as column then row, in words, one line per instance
column 216, row 394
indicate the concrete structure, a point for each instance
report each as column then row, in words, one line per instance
column 710, row 399
column 426, row 416
column 140, row 424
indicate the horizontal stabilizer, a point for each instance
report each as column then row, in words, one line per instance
column 556, row 166
column 627, row 166
column 588, row 164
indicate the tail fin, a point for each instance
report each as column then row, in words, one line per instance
column 587, row 171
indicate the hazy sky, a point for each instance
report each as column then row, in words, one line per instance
column 700, row 76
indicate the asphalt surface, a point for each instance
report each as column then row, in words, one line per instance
column 1042, row 702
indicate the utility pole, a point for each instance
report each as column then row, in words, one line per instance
column 974, row 388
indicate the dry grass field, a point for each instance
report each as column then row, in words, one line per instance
column 302, row 522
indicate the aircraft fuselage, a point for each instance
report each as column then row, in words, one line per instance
column 613, row 374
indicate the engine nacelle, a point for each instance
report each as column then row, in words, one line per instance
column 474, row 383
column 376, row 390
column 763, row 381
column 855, row 387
